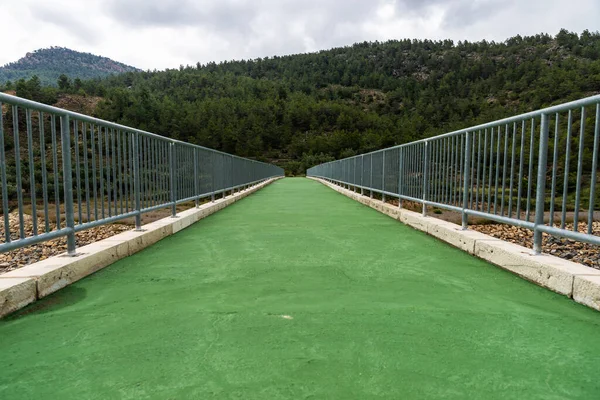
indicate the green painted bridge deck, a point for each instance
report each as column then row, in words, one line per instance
column 298, row 292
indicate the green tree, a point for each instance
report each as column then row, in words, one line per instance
column 77, row 84
column 64, row 83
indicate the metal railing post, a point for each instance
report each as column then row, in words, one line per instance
column 541, row 185
column 425, row 177
column 594, row 171
column 18, row 175
column 383, row 178
column 400, row 161
column 173, row 183
column 232, row 178
column 362, row 173
column 4, row 185
column 212, row 176
column 345, row 173
column 467, row 182
column 355, row 190
column 196, row 190
column 371, row 179
column 136, row 180
column 347, row 178
column 67, row 182
column 224, row 177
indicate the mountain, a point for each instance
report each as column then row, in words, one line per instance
column 49, row 64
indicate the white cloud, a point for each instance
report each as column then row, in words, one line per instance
column 164, row 34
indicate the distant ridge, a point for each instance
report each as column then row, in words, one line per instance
column 49, row 64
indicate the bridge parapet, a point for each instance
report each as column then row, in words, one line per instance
column 537, row 171
column 77, row 172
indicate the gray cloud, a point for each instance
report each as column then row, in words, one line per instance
column 222, row 15
column 232, row 14
column 62, row 19
column 244, row 21
column 254, row 28
column 464, row 13
column 417, row 6
column 457, row 13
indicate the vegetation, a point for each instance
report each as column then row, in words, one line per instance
column 304, row 109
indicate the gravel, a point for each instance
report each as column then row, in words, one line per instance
column 583, row 253
column 30, row 254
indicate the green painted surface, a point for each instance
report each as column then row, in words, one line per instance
column 379, row 311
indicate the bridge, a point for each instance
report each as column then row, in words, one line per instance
column 293, row 292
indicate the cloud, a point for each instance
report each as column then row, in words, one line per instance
column 227, row 15
column 467, row 12
column 251, row 26
column 164, row 34
column 64, row 20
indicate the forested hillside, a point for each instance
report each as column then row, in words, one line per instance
column 302, row 109
column 49, row 64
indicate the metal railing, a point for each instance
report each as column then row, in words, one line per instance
column 76, row 172
column 536, row 170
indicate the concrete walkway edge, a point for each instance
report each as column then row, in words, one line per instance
column 576, row 281
column 23, row 286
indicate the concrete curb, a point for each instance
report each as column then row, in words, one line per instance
column 16, row 293
column 576, row 281
column 25, row 285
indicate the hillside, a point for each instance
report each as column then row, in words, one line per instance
column 303, row 109
column 49, row 64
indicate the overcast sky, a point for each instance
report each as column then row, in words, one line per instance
column 163, row 34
